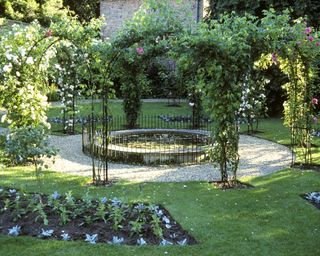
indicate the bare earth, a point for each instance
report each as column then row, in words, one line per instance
column 257, row 157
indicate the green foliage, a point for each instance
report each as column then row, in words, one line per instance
column 84, row 9
column 155, row 225
column 23, row 64
column 29, row 10
column 29, row 144
column 295, row 50
column 146, row 36
column 221, row 53
column 299, row 8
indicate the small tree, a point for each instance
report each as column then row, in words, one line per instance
column 29, row 145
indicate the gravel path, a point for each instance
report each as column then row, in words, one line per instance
column 257, row 157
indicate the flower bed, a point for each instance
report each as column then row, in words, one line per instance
column 314, row 198
column 93, row 220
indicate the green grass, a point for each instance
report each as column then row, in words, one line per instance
column 270, row 219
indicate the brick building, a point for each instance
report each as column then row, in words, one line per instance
column 117, row 11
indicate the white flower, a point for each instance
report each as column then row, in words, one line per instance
column 141, row 241
column 116, row 202
column 116, row 240
column 183, row 242
column 55, row 195
column 7, row 68
column 8, row 56
column 165, row 219
column 18, row 74
column 65, row 237
column 46, row 233
column 12, row 191
column 30, row 60
column 29, row 36
column 22, row 51
column 165, row 242
column 91, row 239
column 104, row 200
column 14, row 231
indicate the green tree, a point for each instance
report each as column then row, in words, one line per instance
column 44, row 11
column 309, row 8
column 84, row 9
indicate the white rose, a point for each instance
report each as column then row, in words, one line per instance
column 30, row 60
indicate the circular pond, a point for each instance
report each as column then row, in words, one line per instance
column 156, row 146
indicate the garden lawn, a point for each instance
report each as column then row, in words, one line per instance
column 271, row 219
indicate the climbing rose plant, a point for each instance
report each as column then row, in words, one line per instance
column 294, row 49
column 23, row 66
column 221, row 53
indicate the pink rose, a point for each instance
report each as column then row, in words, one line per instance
column 275, row 58
column 140, row 50
column 308, row 31
column 310, row 38
column 317, row 43
column 314, row 101
column 48, row 33
column 315, row 119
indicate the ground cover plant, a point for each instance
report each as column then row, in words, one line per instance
column 271, row 219
column 103, row 220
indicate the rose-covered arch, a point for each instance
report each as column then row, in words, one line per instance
column 225, row 51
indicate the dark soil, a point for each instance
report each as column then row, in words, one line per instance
column 231, row 185
column 87, row 221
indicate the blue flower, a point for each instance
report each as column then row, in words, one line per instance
column 14, row 231
column 91, row 239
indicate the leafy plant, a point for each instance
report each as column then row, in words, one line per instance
column 155, row 225
column 136, row 227
column 18, row 209
column 116, row 216
column 39, row 208
column 64, row 214
column 101, row 211
column 29, row 144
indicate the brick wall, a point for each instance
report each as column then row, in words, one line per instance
column 117, row 11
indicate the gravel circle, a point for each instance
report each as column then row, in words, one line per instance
column 257, row 157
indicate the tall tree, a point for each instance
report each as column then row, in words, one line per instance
column 310, row 8
column 84, row 9
column 28, row 10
